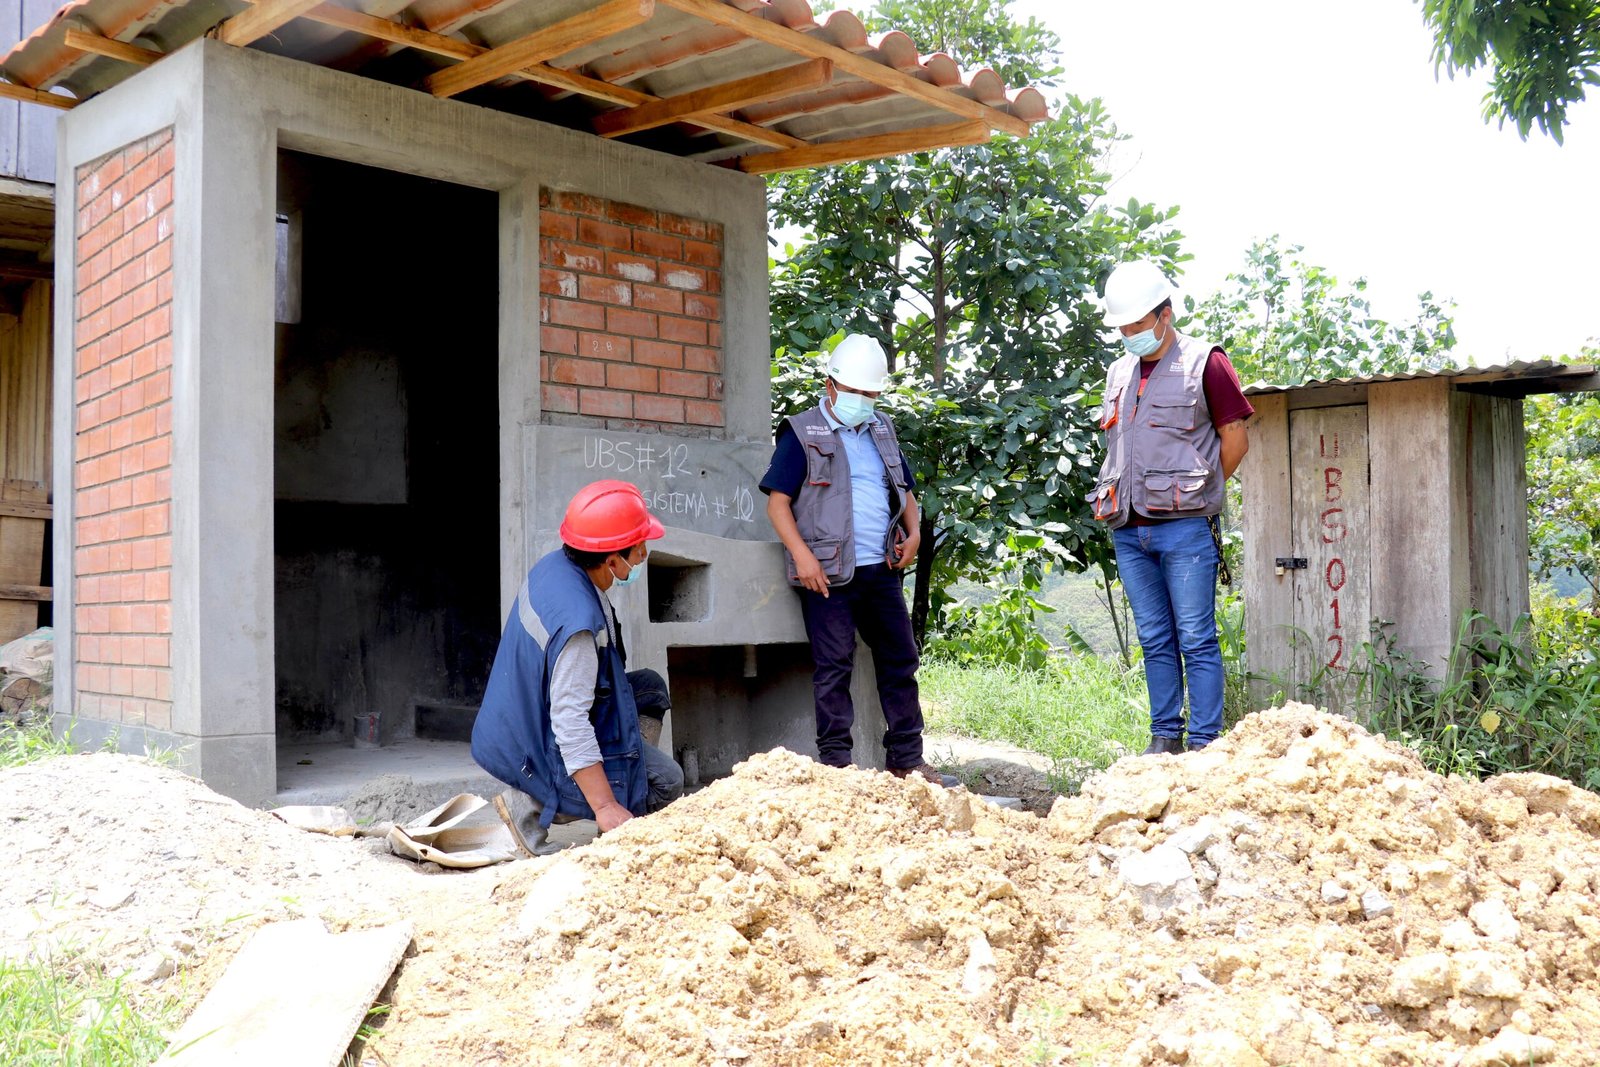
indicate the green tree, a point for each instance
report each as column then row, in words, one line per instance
column 1563, row 441
column 977, row 268
column 1285, row 321
column 1542, row 54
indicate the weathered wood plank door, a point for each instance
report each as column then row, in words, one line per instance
column 1329, row 490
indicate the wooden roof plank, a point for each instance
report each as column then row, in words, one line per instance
column 716, row 99
column 925, row 139
column 35, row 96
column 539, row 46
column 98, row 45
column 265, row 17
column 455, row 48
column 861, row 66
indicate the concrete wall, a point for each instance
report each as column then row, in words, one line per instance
column 230, row 111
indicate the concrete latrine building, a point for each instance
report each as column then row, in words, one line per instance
column 334, row 348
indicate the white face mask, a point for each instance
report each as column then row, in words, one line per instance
column 634, row 570
column 853, row 409
column 1143, row 343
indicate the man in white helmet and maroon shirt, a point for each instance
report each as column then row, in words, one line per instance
column 1173, row 416
column 842, row 501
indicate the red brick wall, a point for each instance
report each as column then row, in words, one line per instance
column 630, row 308
column 122, row 521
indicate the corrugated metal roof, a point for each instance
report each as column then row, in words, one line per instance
column 861, row 88
column 1537, row 376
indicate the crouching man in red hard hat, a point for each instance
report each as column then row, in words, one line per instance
column 560, row 717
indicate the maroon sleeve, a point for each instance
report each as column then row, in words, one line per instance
column 1224, row 395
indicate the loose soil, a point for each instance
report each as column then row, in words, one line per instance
column 1300, row 892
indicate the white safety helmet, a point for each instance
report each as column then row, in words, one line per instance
column 1135, row 289
column 858, row 361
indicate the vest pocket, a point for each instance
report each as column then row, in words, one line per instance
column 1175, row 415
column 819, row 466
column 619, row 772
column 1166, row 491
column 829, row 555
column 1104, row 499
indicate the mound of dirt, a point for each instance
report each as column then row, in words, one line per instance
column 119, row 862
column 1300, row 892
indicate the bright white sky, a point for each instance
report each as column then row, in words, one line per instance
column 1323, row 122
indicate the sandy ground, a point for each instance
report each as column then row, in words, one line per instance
column 1298, row 893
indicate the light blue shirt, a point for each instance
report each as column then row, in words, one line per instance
column 869, row 491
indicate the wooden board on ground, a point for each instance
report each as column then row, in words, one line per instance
column 295, row 994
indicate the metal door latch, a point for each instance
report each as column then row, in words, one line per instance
column 1289, row 563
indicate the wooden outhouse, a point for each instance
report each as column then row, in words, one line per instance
column 1396, row 502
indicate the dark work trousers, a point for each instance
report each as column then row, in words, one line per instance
column 873, row 604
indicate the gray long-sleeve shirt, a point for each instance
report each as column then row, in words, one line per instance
column 572, row 696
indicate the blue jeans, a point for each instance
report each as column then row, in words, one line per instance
column 1169, row 571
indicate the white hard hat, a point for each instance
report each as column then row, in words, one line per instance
column 858, row 361
column 1135, row 289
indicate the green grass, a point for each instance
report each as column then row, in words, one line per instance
column 60, row 1011
column 1082, row 716
column 55, row 1012
column 30, row 744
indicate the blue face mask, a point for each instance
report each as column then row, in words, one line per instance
column 853, row 409
column 634, row 570
column 1142, row 344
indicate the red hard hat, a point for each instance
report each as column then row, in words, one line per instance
column 607, row 516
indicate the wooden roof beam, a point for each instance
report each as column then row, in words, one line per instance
column 779, row 36
column 35, row 96
column 603, row 21
column 264, row 18
column 926, row 139
column 442, row 45
column 716, row 99
column 99, row 45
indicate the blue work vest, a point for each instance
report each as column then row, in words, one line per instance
column 512, row 738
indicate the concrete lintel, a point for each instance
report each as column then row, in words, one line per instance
column 43, row 192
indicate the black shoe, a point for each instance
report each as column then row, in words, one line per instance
column 1164, row 746
column 1195, row 745
column 928, row 772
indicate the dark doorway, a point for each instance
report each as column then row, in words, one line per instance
column 386, row 454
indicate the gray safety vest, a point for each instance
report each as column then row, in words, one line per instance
column 1163, row 456
column 822, row 507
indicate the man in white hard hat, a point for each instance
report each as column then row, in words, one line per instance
column 841, row 498
column 1173, row 417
